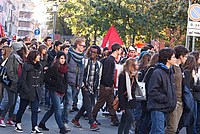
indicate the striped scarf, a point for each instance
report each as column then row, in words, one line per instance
column 76, row 56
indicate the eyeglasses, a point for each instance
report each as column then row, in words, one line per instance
column 82, row 45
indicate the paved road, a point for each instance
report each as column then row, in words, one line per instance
column 105, row 128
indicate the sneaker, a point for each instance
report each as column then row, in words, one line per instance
column 39, row 110
column 94, row 127
column 35, row 130
column 115, row 123
column 67, row 127
column 76, row 123
column 97, row 122
column 10, row 122
column 2, row 123
column 43, row 126
column 18, row 128
column 63, row 131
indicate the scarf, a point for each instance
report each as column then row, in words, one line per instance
column 62, row 69
column 76, row 56
column 128, row 86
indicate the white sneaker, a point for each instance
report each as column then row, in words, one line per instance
column 67, row 127
column 18, row 128
column 36, row 131
column 2, row 123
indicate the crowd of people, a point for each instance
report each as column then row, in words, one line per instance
column 53, row 73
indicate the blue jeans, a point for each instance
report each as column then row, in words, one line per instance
column 10, row 106
column 70, row 94
column 55, row 108
column 198, row 118
column 47, row 97
column 158, row 122
column 126, row 122
column 34, row 110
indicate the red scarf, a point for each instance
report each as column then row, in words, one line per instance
column 63, row 69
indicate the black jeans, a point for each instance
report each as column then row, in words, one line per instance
column 126, row 122
column 34, row 110
column 88, row 99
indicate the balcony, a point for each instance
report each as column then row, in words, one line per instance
column 25, row 19
column 25, row 29
column 26, row 10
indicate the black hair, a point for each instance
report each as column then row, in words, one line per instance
column 48, row 37
column 32, row 55
column 115, row 47
column 180, row 50
column 145, row 48
column 96, row 47
column 165, row 54
column 57, row 43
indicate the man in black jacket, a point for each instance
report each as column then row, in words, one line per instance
column 106, row 93
column 161, row 93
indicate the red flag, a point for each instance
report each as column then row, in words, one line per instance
column 111, row 37
column 2, row 34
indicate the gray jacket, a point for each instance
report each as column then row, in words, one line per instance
column 75, row 72
column 12, row 69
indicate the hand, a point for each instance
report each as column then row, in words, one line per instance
column 123, row 111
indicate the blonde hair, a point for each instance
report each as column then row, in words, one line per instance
column 128, row 64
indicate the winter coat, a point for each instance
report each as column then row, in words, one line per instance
column 75, row 72
column 161, row 91
column 13, row 63
column 30, row 80
column 122, row 93
column 55, row 80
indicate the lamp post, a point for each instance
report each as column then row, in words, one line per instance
column 55, row 9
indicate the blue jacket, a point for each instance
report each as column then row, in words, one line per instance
column 161, row 91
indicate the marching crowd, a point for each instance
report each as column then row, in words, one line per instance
column 53, row 73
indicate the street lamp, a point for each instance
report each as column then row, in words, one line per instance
column 55, row 9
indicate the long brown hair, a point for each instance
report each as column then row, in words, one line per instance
column 7, row 50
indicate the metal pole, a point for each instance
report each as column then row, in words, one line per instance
column 187, row 37
column 54, row 24
column 193, row 43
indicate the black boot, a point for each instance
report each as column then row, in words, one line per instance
column 41, row 125
column 63, row 130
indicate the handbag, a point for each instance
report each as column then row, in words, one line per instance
column 116, row 103
column 140, row 91
column 3, row 74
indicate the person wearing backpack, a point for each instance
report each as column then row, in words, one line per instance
column 14, row 66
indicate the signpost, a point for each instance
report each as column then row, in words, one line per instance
column 37, row 31
column 193, row 26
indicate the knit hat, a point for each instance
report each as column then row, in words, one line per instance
column 17, row 46
column 59, row 54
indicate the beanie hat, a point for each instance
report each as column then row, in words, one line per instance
column 17, row 46
column 59, row 54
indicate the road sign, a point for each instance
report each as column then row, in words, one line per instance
column 194, row 12
column 37, row 31
column 193, row 32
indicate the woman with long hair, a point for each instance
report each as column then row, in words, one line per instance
column 56, row 79
column 126, row 92
column 188, row 79
column 13, row 63
column 29, row 90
